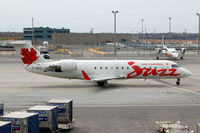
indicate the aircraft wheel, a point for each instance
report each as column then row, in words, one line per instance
column 178, row 82
column 181, row 57
column 101, row 83
column 157, row 58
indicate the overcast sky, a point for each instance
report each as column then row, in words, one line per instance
column 82, row 15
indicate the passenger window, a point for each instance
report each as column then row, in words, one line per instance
column 100, row 67
column 95, row 67
column 127, row 67
column 116, row 67
column 122, row 67
column 106, row 67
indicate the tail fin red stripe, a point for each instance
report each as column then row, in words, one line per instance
column 86, row 77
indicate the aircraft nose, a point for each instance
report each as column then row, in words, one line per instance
column 176, row 55
column 188, row 73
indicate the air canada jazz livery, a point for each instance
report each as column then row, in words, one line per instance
column 98, row 70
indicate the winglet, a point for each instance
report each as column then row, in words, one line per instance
column 86, row 77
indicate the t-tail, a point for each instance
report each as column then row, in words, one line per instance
column 163, row 42
column 27, row 52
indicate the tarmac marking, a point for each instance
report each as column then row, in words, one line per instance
column 27, row 105
column 141, row 105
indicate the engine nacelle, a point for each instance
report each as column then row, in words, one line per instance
column 61, row 66
column 163, row 51
column 67, row 65
column 183, row 50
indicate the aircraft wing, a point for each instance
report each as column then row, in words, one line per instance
column 182, row 50
column 163, row 49
column 102, row 77
column 107, row 78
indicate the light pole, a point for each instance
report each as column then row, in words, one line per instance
column 199, row 33
column 142, row 20
column 115, row 38
column 32, row 32
column 170, row 21
column 170, row 18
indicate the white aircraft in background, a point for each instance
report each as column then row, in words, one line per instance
column 99, row 71
column 118, row 45
column 170, row 52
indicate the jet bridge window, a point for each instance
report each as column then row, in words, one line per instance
column 175, row 66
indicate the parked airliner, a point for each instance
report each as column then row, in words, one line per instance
column 99, row 71
column 170, row 52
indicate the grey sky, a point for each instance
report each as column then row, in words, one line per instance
column 82, row 15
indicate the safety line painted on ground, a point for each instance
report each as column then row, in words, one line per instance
column 124, row 105
column 177, row 88
column 144, row 105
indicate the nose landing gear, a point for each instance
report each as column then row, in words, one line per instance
column 178, row 81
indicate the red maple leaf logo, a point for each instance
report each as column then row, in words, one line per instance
column 29, row 56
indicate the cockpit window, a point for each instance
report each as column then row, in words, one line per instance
column 174, row 51
column 175, row 66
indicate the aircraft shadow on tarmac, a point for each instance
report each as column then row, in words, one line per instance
column 93, row 86
column 171, row 84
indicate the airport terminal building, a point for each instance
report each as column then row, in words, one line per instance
column 63, row 36
column 42, row 33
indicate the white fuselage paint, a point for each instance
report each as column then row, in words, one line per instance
column 97, row 70
column 170, row 52
column 111, row 69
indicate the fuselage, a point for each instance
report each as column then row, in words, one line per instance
column 170, row 52
column 112, row 69
column 98, row 70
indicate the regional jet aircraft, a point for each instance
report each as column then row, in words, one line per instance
column 99, row 71
column 170, row 52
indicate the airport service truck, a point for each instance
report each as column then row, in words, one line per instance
column 44, row 51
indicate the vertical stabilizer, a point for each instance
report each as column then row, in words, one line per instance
column 27, row 52
column 163, row 42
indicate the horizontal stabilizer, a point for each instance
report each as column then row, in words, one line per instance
column 20, row 42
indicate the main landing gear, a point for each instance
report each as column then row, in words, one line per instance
column 178, row 81
column 101, row 83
